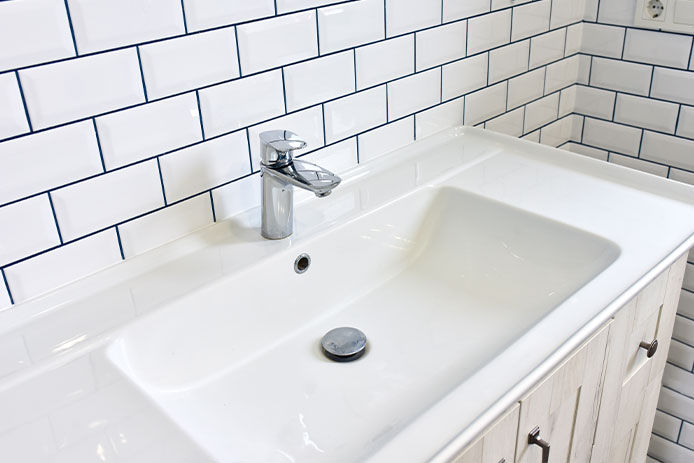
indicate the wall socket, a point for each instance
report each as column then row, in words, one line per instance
column 666, row 15
column 655, row 10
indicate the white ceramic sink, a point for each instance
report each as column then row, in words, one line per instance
column 442, row 281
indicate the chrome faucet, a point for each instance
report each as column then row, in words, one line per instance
column 281, row 173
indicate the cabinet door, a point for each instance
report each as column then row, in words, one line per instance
column 632, row 379
column 496, row 444
column 565, row 406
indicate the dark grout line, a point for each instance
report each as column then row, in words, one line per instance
column 7, row 285
column 24, row 103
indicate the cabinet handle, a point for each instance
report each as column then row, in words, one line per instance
column 534, row 439
column 651, row 347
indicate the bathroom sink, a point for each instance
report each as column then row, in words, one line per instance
column 441, row 281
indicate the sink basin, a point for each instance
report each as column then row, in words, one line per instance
column 441, row 281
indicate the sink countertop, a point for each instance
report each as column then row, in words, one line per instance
column 62, row 400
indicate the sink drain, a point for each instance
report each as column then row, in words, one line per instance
column 344, row 344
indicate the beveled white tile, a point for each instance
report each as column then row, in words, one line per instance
column 674, row 85
column 404, row 16
column 144, row 131
column 639, row 164
column 658, row 48
column 103, row 24
column 611, row 136
column 510, row 123
column 547, row 48
column 355, row 113
column 647, row 113
column 508, row 61
column 666, row 149
column 498, row 4
column 488, row 31
column 386, row 139
column 38, row 32
column 350, row 24
column 566, row 12
column 307, row 123
column 73, row 89
column 620, row 75
column 319, row 80
column 594, row 102
column 441, row 44
column 561, row 131
column 438, row 118
column 286, row 6
column 204, row 166
column 337, row 158
column 185, row 63
column 667, row 425
column 204, row 14
column 63, row 265
column 562, row 73
column 13, row 120
column 530, row 19
column 4, row 303
column 26, row 227
column 457, row 9
column 385, row 61
column 574, row 38
column 541, row 112
column 526, row 87
column 464, row 76
column 485, row 104
column 105, row 200
column 414, row 93
column 588, row 151
column 567, row 100
column 532, row 136
column 685, row 125
column 277, row 41
column 602, row 40
column 45, row 160
column 240, row 103
column 141, row 235
column 236, row 197
column 617, row 12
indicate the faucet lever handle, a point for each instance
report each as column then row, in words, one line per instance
column 276, row 146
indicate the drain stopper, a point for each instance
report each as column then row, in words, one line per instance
column 344, row 344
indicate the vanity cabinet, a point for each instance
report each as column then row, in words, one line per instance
column 598, row 405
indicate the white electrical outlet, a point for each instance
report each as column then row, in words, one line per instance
column 654, row 10
column 665, row 15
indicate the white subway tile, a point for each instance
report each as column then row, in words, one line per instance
column 666, row 425
column 337, row 158
column 204, row 14
column 530, row 19
column 488, row 31
column 82, row 87
column 671, row 84
column 286, row 6
column 441, row 44
column 103, row 24
column 669, row 150
column 611, row 136
column 498, row 4
column 464, row 76
column 408, row 15
column 566, row 12
column 687, row 436
column 26, row 227
column 38, row 31
column 541, row 112
column 355, row 113
column 277, row 41
column 686, row 304
column 4, row 303
column 385, row 61
column 45, row 160
column 236, row 197
column 682, row 176
column 562, row 73
column 664, row 450
column 681, row 354
column 684, row 331
column 657, row 47
column 647, row 113
column 685, row 125
column 144, row 131
column 319, row 80
column 639, row 164
column 508, row 61
column 308, row 124
column 567, row 100
column 184, row 63
column 240, row 103
column 103, row 201
column 588, row 151
column 678, row 379
column 13, row 120
column 584, row 63
column 574, row 38
column 457, row 9
column 386, row 139
column 510, row 123
column 63, row 265
column 526, row 87
column 157, row 228
column 485, row 104
column 620, row 75
column 414, row 93
column 561, row 131
column 439, row 118
column 594, row 102
column 617, row 12
column 547, row 47
column 204, row 166
column 350, row 24
column 675, row 403
column 602, row 40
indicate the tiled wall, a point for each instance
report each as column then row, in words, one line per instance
column 126, row 124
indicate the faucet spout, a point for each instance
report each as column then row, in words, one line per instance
column 305, row 175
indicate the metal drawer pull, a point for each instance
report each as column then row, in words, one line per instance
column 534, row 439
column 651, row 347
